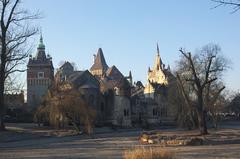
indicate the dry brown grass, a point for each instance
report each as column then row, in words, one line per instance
column 148, row 153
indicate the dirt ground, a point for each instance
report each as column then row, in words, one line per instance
column 23, row 141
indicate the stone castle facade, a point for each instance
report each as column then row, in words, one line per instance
column 116, row 99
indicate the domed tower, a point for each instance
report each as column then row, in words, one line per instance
column 40, row 74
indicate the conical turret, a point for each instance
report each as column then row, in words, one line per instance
column 100, row 66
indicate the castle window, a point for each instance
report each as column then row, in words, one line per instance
column 155, row 112
column 126, row 112
column 163, row 112
column 102, row 107
column 40, row 74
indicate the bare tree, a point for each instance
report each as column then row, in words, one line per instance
column 234, row 3
column 15, row 32
column 201, row 74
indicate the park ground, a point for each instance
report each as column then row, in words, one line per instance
column 27, row 141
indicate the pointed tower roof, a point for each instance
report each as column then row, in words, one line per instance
column 158, row 60
column 41, row 44
column 41, row 49
column 99, row 62
column 40, row 58
column 130, row 74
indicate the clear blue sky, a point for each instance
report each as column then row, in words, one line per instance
column 128, row 31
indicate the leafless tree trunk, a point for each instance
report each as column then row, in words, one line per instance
column 15, row 32
column 200, row 72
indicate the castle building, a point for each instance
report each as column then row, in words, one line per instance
column 117, row 100
column 104, row 88
column 40, row 74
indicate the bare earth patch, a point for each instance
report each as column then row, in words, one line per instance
column 31, row 142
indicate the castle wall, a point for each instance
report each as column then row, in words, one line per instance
column 14, row 101
column 36, row 90
column 122, row 111
column 94, row 98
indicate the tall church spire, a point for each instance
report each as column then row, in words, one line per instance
column 158, row 52
column 158, row 60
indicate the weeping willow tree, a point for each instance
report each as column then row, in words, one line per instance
column 63, row 105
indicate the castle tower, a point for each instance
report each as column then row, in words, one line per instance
column 40, row 74
column 156, row 75
column 99, row 66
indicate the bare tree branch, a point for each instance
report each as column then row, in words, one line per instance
column 234, row 3
column 15, row 31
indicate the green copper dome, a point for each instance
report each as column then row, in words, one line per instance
column 41, row 45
